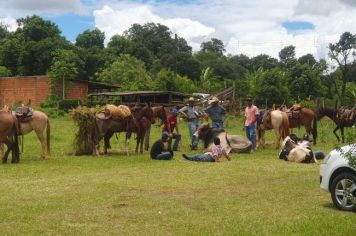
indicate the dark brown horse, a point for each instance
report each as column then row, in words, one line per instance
column 160, row 113
column 9, row 135
column 305, row 117
column 137, row 123
column 340, row 123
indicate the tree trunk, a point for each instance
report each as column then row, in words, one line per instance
column 63, row 88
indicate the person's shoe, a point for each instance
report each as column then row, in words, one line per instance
column 185, row 156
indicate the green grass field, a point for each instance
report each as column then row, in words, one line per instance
column 254, row 194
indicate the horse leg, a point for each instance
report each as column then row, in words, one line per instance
column 147, row 138
column 338, row 139
column 342, row 134
column 42, row 139
column 141, row 142
column 278, row 137
column 9, row 148
column 107, row 138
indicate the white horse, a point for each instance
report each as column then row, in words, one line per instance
column 277, row 120
column 38, row 122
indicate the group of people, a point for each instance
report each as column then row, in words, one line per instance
column 162, row 149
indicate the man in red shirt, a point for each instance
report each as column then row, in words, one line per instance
column 170, row 126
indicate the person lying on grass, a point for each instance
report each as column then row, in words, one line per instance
column 161, row 149
column 216, row 152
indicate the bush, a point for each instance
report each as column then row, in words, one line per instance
column 50, row 102
column 66, row 105
column 52, row 112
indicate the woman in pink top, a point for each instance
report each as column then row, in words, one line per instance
column 216, row 152
column 251, row 115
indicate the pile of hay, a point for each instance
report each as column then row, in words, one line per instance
column 118, row 112
column 83, row 117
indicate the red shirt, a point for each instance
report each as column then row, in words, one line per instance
column 172, row 120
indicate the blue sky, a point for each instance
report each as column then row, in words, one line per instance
column 250, row 27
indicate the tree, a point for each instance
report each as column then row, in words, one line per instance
column 343, row 53
column 287, row 55
column 263, row 62
column 91, row 38
column 4, row 72
column 269, row 85
column 65, row 66
column 39, row 39
column 10, row 50
column 128, row 72
column 307, row 59
column 214, row 46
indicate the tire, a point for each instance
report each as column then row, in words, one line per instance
column 343, row 191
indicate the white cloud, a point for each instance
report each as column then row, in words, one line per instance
column 116, row 20
column 9, row 22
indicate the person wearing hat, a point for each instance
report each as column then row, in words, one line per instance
column 160, row 149
column 216, row 112
column 170, row 126
column 191, row 115
column 251, row 115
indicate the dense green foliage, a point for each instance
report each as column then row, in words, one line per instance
column 150, row 57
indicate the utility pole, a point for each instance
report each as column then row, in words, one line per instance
column 175, row 55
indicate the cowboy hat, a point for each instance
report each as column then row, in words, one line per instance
column 214, row 99
column 191, row 99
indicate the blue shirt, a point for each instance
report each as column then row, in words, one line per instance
column 216, row 113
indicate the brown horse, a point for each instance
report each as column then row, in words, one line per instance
column 340, row 122
column 158, row 112
column 9, row 135
column 137, row 123
column 306, row 117
column 39, row 123
column 278, row 121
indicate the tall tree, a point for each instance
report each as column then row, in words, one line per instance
column 307, row 59
column 65, row 66
column 214, row 45
column 91, row 38
column 287, row 55
column 343, row 53
column 263, row 62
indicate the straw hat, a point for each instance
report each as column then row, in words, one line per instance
column 214, row 99
column 191, row 99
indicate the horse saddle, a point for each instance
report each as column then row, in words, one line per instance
column 346, row 114
column 294, row 114
column 103, row 115
column 24, row 114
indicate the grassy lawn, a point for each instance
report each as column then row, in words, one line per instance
column 119, row 195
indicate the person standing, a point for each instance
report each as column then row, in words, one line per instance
column 216, row 112
column 191, row 115
column 251, row 115
column 170, row 126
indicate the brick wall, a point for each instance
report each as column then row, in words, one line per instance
column 36, row 88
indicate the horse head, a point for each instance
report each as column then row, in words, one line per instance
column 148, row 113
column 160, row 112
column 266, row 119
column 202, row 130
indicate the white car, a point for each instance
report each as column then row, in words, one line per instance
column 339, row 178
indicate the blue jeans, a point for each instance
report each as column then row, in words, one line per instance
column 164, row 156
column 176, row 138
column 217, row 124
column 251, row 134
column 193, row 126
column 202, row 157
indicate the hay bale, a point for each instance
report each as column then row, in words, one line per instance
column 83, row 117
column 118, row 112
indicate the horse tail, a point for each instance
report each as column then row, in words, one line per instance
column 48, row 133
column 314, row 130
column 286, row 131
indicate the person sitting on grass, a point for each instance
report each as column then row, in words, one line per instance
column 216, row 152
column 160, row 149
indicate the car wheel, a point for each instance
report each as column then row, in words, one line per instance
column 343, row 192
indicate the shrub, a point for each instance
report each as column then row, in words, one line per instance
column 66, row 105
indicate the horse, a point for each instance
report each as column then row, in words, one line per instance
column 233, row 143
column 158, row 112
column 136, row 123
column 277, row 120
column 303, row 116
column 38, row 122
column 296, row 153
column 340, row 122
column 9, row 135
